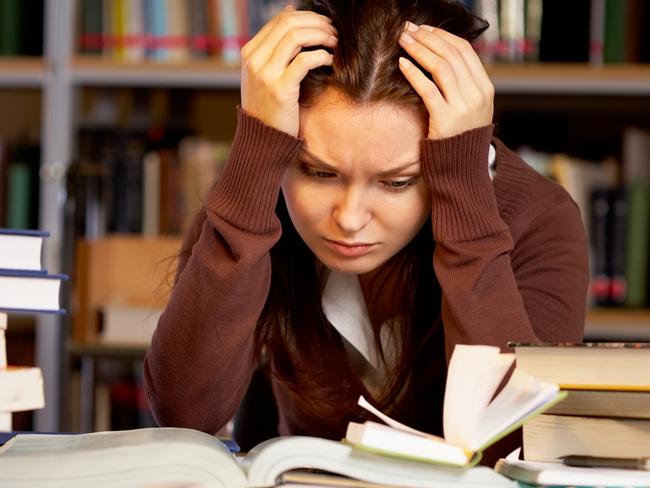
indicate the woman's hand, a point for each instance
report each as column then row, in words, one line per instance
column 462, row 97
column 273, row 65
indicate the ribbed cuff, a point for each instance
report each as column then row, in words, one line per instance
column 247, row 192
column 464, row 205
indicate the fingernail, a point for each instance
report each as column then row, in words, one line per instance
column 406, row 38
column 427, row 28
column 410, row 26
column 404, row 63
column 290, row 7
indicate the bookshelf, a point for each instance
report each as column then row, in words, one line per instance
column 571, row 78
column 24, row 72
column 86, row 71
column 61, row 75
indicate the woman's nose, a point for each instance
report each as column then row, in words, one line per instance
column 352, row 213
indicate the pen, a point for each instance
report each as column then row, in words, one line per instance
column 606, row 462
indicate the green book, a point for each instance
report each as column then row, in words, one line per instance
column 9, row 27
column 19, row 196
column 638, row 240
column 615, row 45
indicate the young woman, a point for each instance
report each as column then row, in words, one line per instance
column 366, row 223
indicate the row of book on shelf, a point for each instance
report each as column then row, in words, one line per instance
column 171, row 30
column 614, row 200
column 26, row 287
column 580, row 403
column 593, row 31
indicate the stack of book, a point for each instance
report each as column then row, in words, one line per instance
column 607, row 410
column 25, row 287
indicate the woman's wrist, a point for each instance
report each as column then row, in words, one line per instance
column 246, row 193
column 464, row 205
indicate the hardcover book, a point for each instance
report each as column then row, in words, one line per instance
column 588, row 366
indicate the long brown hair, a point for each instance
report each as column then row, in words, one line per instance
column 293, row 329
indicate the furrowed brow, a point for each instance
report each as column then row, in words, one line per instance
column 388, row 172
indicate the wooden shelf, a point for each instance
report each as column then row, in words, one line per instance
column 571, row 78
column 618, row 325
column 195, row 73
column 19, row 72
column 524, row 78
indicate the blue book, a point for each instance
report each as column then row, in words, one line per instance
column 30, row 292
column 22, row 249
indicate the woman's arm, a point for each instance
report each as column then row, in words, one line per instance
column 496, row 290
column 200, row 361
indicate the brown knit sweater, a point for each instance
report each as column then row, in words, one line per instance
column 510, row 258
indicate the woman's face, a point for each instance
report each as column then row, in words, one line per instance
column 355, row 194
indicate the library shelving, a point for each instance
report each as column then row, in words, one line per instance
column 22, row 72
column 62, row 75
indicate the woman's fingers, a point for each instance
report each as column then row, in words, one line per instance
column 429, row 92
column 301, row 65
column 469, row 55
column 289, row 47
column 461, row 96
column 259, row 49
column 447, row 44
column 443, row 61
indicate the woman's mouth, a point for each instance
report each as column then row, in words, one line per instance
column 350, row 249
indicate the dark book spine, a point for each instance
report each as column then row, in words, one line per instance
column 617, row 233
column 601, row 244
column 565, row 32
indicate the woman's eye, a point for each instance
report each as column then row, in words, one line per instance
column 314, row 173
column 398, row 185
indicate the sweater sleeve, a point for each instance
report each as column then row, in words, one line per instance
column 492, row 291
column 200, row 360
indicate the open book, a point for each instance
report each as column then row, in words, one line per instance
column 174, row 457
column 473, row 418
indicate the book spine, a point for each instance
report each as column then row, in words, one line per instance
column 91, row 33
column 3, row 341
column 9, row 27
column 617, row 235
column 600, row 236
column 487, row 44
column 615, row 49
column 512, row 21
column 135, row 39
column 19, row 198
column 638, row 241
column 229, row 31
column 534, row 10
column 199, row 45
column 597, row 32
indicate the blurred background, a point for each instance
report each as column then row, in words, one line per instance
column 117, row 116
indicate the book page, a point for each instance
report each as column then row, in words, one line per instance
column 135, row 458
column 474, row 374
